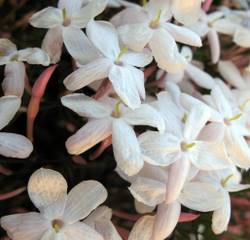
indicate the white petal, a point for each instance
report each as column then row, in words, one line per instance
column 148, row 191
column 128, row 83
column 200, row 77
column 52, row 44
column 86, row 106
column 126, row 148
column 143, row 229
column 194, row 197
column 9, row 105
column 213, row 131
column 214, row 45
column 79, row 46
column 165, row 52
column 45, row 186
column 86, row 74
column 177, row 176
column 183, row 35
column 83, row 199
column 221, row 216
column 49, row 17
column 231, row 74
column 241, row 37
column 143, row 208
column 88, row 136
column 14, row 78
column 166, row 219
column 137, row 59
column 159, row 149
column 145, row 115
column 105, row 37
column 102, row 213
column 196, row 120
column 237, row 187
column 15, row 145
column 225, row 26
column 136, row 36
column 81, row 17
column 70, row 6
column 107, row 230
column 28, row 226
column 186, row 12
column 7, row 49
column 34, row 56
column 81, row 231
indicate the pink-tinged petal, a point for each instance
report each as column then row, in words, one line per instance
column 107, row 230
column 231, row 74
column 86, row 106
column 83, row 199
column 165, row 52
column 15, row 145
column 148, row 191
column 241, row 37
column 49, row 17
column 86, row 74
column 79, row 46
column 128, row 83
column 178, row 172
column 9, row 105
column 88, row 136
column 14, row 78
column 214, row 45
column 143, row 208
column 28, row 226
column 188, row 217
column 166, row 219
column 200, row 77
column 53, row 43
column 105, row 37
column 221, row 216
column 143, row 229
column 213, row 131
column 45, row 186
column 126, row 148
column 183, row 35
column 99, row 214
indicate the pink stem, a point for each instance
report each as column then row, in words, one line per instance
column 188, row 217
column 5, row 196
column 104, row 145
column 126, row 216
column 104, row 88
column 206, row 6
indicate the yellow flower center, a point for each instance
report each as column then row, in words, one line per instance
column 228, row 121
column 121, row 53
column 187, row 146
column 117, row 110
column 57, row 224
column 66, row 20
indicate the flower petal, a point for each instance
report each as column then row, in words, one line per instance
column 45, row 186
column 49, row 17
column 128, row 83
column 143, row 208
column 148, row 191
column 7, row 48
column 83, row 199
column 241, row 37
column 145, row 115
column 86, row 74
column 105, row 37
column 86, row 106
column 15, row 145
column 14, row 78
column 88, row 136
column 52, row 44
column 126, row 148
column 70, row 6
column 166, row 219
column 214, row 45
column 107, row 230
column 79, row 46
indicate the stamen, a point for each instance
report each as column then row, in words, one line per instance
column 66, row 20
column 117, row 109
column 144, row 2
column 187, row 146
column 156, row 21
column 122, row 52
column 225, row 180
column 14, row 58
column 243, row 105
column 184, row 118
column 57, row 224
column 236, row 117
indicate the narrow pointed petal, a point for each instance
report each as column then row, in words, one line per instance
column 52, row 44
column 14, row 78
column 86, row 106
column 148, row 191
column 178, row 172
column 83, row 199
column 126, row 148
column 214, row 45
column 45, row 186
column 88, row 136
column 86, row 74
column 212, row 132
column 166, row 219
column 237, row 187
column 221, row 216
column 49, row 17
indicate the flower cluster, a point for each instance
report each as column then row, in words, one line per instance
column 194, row 144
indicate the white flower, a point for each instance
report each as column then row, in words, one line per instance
column 182, row 144
column 120, row 3
column 111, row 117
column 149, row 187
column 61, row 218
column 13, row 83
column 116, row 63
column 141, row 26
column 225, row 181
column 11, row 144
column 65, row 23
